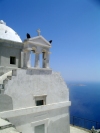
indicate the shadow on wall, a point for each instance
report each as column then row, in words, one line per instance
column 5, row 103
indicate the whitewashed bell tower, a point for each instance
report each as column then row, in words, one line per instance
column 38, row 45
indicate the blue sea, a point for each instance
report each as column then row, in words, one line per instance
column 85, row 100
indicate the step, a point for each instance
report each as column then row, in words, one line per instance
column 2, row 91
column 14, row 72
column 6, row 119
column 1, row 86
column 4, row 124
column 9, row 77
column 5, row 81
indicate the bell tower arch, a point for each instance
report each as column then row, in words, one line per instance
column 38, row 45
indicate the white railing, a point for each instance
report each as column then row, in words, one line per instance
column 4, row 76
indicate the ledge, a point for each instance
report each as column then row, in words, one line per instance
column 9, row 43
column 38, row 71
column 43, row 95
column 38, row 68
column 33, row 110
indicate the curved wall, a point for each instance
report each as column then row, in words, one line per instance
column 5, row 103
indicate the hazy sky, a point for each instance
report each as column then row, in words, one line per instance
column 73, row 25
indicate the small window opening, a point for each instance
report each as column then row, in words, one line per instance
column 39, row 102
column 44, row 58
column 32, row 58
column 12, row 60
column 41, row 60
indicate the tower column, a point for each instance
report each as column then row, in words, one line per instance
column 22, row 59
column 28, row 59
column 47, row 59
column 37, row 60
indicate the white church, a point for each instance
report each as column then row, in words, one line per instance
column 32, row 99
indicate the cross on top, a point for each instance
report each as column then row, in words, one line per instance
column 38, row 31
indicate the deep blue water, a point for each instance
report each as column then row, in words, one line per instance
column 85, row 100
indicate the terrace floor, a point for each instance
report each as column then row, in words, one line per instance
column 74, row 129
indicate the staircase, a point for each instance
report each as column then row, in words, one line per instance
column 4, row 80
column 7, row 127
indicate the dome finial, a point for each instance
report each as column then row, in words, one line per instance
column 2, row 22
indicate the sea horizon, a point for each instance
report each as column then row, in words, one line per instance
column 84, row 97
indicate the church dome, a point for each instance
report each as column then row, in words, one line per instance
column 8, row 33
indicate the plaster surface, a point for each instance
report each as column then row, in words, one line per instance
column 77, row 130
column 8, row 33
column 6, row 52
column 4, row 76
column 4, row 123
column 55, row 120
column 4, row 70
column 27, row 84
column 5, row 103
column 34, row 109
column 9, row 130
column 39, row 40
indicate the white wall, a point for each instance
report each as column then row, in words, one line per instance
column 29, row 83
column 56, row 120
column 24, row 87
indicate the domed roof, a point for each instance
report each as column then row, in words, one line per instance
column 8, row 33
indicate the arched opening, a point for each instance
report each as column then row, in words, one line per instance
column 33, row 57
column 43, row 58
